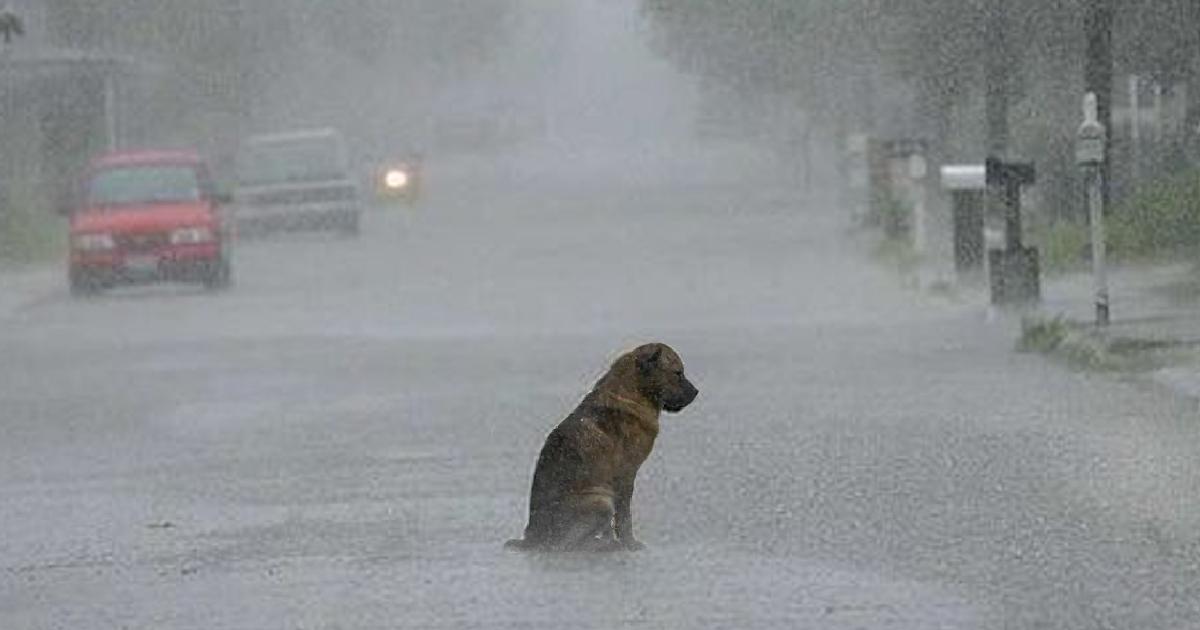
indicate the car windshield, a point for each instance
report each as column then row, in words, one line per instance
column 144, row 184
column 316, row 159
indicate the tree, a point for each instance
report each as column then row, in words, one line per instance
column 10, row 25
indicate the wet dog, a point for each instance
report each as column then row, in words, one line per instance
column 582, row 491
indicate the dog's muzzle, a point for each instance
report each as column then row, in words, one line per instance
column 685, row 397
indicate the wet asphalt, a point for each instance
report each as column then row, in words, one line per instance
column 345, row 438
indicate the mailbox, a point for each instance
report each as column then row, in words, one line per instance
column 966, row 184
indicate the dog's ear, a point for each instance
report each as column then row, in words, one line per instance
column 648, row 361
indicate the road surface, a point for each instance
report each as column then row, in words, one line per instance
column 345, row 439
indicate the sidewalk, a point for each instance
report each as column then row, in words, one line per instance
column 22, row 287
column 1155, row 320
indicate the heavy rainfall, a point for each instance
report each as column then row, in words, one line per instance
column 293, row 292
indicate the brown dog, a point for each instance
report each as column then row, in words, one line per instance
column 583, row 482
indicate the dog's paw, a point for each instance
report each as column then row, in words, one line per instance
column 518, row 544
column 632, row 545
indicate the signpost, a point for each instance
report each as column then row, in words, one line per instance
column 1089, row 154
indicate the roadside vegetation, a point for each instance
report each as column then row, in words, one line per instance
column 1085, row 348
column 893, row 249
column 29, row 234
column 1159, row 223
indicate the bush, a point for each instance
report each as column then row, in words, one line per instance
column 1041, row 335
column 1064, row 246
column 893, row 215
column 29, row 233
column 1162, row 219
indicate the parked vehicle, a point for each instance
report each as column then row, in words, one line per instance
column 297, row 181
column 148, row 216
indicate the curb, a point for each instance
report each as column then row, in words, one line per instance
column 1181, row 382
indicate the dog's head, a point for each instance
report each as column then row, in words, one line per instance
column 661, row 378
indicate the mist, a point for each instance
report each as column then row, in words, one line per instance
column 360, row 314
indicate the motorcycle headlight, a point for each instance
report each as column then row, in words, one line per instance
column 395, row 179
column 96, row 242
column 191, row 236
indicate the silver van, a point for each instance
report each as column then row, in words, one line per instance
column 300, row 180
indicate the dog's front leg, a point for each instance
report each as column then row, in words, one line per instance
column 624, row 514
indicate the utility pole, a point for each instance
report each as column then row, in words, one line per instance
column 1090, row 153
column 1135, row 132
column 996, row 79
column 1013, row 272
column 1098, row 74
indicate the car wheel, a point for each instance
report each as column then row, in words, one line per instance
column 349, row 226
column 81, row 285
column 219, row 277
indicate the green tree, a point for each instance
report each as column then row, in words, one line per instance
column 10, row 26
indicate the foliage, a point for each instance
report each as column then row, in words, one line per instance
column 864, row 63
column 252, row 63
column 892, row 215
column 897, row 254
column 1041, row 334
column 1063, row 245
column 29, row 233
column 1162, row 219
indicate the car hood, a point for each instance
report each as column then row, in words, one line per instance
column 144, row 218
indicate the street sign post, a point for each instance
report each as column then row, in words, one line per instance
column 1090, row 150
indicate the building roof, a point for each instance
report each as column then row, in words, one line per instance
column 42, row 62
column 146, row 157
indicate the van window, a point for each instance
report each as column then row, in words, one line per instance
column 314, row 159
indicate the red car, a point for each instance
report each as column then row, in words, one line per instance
column 148, row 216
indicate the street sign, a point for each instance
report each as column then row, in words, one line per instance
column 1090, row 144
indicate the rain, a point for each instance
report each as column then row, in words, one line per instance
column 293, row 292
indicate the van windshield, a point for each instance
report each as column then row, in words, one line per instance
column 134, row 185
column 296, row 161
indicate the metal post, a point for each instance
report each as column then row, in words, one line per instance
column 917, row 171
column 1135, row 131
column 1158, row 120
column 1090, row 155
column 112, row 128
column 1098, row 71
column 996, row 77
column 1099, row 271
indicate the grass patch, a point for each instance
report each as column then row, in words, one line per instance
column 1161, row 221
column 1085, row 348
column 892, row 215
column 1077, row 347
column 1041, row 335
column 1064, row 246
column 897, row 253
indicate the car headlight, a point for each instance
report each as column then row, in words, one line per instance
column 191, row 236
column 96, row 242
column 395, row 179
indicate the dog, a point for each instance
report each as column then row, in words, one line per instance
column 582, row 493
